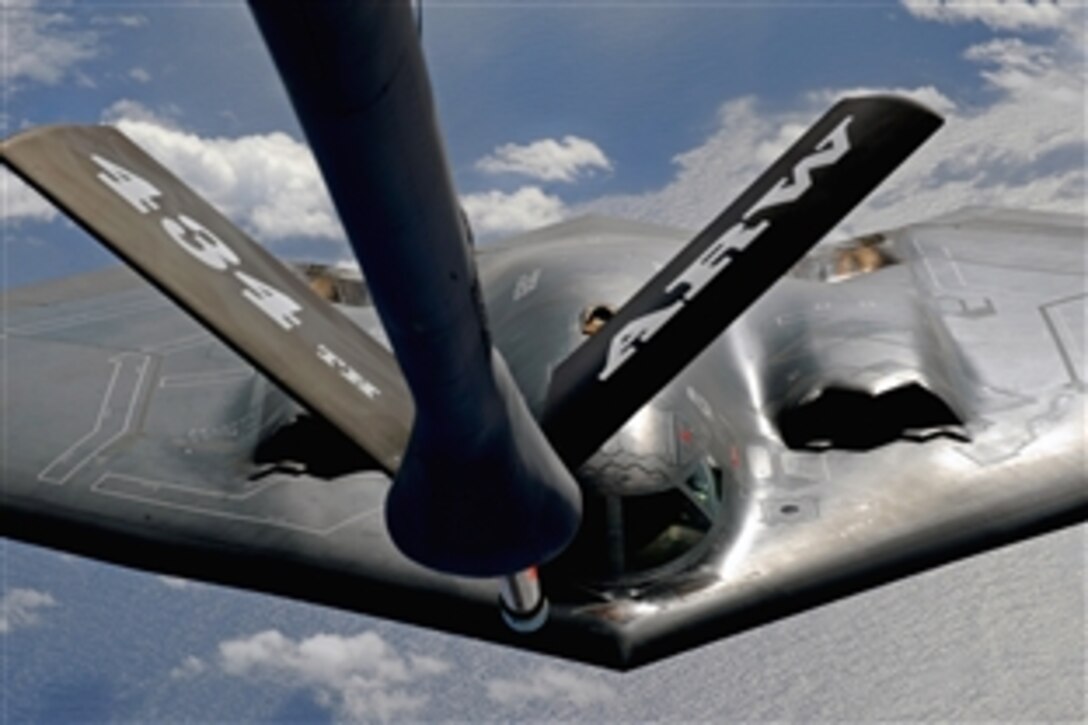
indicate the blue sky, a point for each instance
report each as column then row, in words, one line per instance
column 685, row 103
column 656, row 111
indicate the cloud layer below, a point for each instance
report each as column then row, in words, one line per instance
column 359, row 677
column 21, row 608
column 550, row 686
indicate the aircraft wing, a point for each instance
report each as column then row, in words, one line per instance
column 133, row 436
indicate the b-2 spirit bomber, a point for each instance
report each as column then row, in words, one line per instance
column 603, row 440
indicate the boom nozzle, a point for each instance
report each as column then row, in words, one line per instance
column 523, row 604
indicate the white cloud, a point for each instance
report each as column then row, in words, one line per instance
column 997, row 14
column 1026, row 70
column 713, row 173
column 1025, row 147
column 19, row 202
column 174, row 582
column 129, row 110
column 189, row 668
column 547, row 159
column 21, row 608
column 267, row 183
column 356, row 677
column 140, row 75
column 40, row 46
column 124, row 21
column 550, row 684
column 270, row 184
column 496, row 212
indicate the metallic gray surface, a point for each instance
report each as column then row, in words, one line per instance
column 136, row 433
